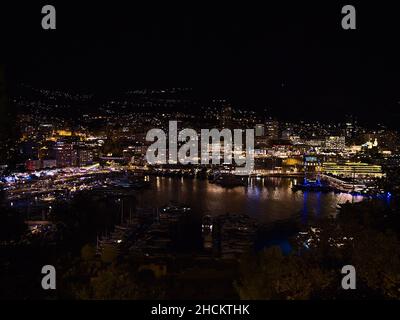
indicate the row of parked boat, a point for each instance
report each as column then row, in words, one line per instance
column 149, row 234
column 235, row 234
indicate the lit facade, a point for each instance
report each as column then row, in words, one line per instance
column 352, row 170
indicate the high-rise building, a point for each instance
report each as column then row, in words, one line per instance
column 84, row 157
column 226, row 116
column 272, row 129
column 350, row 126
column 260, row 132
column 64, row 153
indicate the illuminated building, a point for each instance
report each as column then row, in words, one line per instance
column 47, row 150
column 350, row 126
column 260, row 138
column 64, row 133
column 226, row 117
column 49, row 164
column 32, row 165
column 287, row 133
column 296, row 139
column 272, row 129
column 370, row 144
column 64, row 153
column 389, row 140
column 315, row 143
column 259, row 130
column 352, row 170
column 336, row 143
column 84, row 157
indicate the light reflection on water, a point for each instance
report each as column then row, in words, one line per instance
column 266, row 199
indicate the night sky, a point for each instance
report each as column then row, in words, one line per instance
column 292, row 59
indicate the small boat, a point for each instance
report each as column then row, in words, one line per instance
column 230, row 181
column 313, row 187
column 207, row 224
column 175, row 209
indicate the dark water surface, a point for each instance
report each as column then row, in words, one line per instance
column 268, row 200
